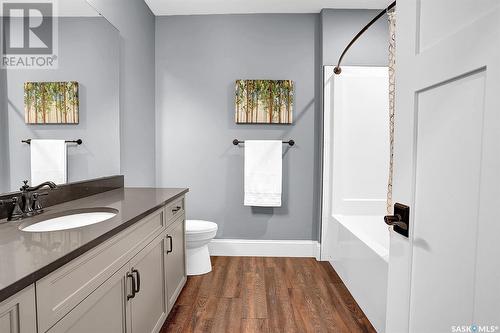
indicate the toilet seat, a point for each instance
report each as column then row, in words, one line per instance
column 200, row 226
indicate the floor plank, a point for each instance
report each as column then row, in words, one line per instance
column 255, row 294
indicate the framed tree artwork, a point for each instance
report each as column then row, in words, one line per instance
column 264, row 101
column 51, row 102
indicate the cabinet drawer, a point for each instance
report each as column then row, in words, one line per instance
column 18, row 313
column 174, row 210
column 62, row 290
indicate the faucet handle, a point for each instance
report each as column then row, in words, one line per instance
column 25, row 187
column 37, row 205
column 17, row 213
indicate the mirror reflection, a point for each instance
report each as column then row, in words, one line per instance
column 44, row 112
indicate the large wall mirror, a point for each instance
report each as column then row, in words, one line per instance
column 77, row 100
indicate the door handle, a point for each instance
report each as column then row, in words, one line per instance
column 138, row 283
column 400, row 221
column 171, row 244
column 130, row 275
column 176, row 209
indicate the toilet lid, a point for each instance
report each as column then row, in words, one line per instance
column 196, row 226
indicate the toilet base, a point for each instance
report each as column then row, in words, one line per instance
column 198, row 260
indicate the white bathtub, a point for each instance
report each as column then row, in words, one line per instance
column 361, row 259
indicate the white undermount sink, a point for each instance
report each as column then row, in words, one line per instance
column 70, row 220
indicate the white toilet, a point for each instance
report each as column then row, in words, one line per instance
column 198, row 234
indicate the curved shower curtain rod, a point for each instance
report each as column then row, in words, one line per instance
column 337, row 70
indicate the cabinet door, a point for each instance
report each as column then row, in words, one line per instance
column 148, row 309
column 104, row 310
column 175, row 263
column 17, row 313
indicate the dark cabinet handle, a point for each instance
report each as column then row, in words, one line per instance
column 138, row 276
column 176, row 209
column 171, row 244
column 130, row 275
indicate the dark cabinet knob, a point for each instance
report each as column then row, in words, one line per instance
column 170, row 244
column 129, row 296
column 138, row 281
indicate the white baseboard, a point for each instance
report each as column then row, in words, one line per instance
column 264, row 248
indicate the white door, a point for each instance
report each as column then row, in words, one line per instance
column 446, row 276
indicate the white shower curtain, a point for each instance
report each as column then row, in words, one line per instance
column 392, row 95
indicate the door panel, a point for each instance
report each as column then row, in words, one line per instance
column 104, row 310
column 176, row 270
column 18, row 313
column 449, row 136
column 438, row 19
column 148, row 308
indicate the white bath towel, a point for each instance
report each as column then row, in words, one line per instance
column 48, row 161
column 263, row 172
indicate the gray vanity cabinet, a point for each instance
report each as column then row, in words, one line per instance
column 127, row 284
column 104, row 310
column 18, row 314
column 148, row 308
column 120, row 305
column 175, row 260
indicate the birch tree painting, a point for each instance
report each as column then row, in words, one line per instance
column 51, row 103
column 264, row 101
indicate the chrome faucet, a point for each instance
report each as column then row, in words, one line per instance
column 28, row 203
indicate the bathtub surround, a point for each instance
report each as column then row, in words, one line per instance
column 355, row 239
column 362, row 262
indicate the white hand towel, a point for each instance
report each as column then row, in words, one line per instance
column 263, row 173
column 48, row 161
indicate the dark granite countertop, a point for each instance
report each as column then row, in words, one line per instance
column 26, row 257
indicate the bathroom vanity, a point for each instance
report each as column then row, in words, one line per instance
column 120, row 275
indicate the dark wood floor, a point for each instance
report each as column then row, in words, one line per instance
column 249, row 294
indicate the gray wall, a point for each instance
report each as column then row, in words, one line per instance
column 88, row 53
column 339, row 26
column 137, row 86
column 198, row 59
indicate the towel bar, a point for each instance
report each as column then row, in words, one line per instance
column 78, row 142
column 237, row 142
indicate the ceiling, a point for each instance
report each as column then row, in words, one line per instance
column 67, row 8
column 196, row 7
